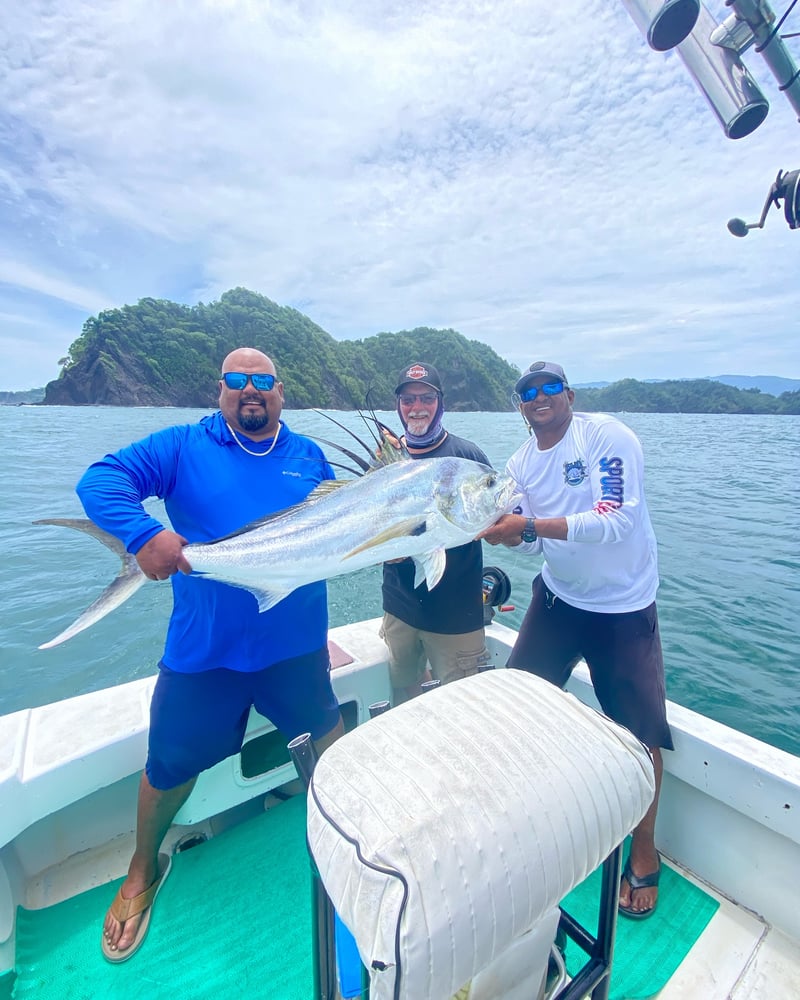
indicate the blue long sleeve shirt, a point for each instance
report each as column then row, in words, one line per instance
column 211, row 487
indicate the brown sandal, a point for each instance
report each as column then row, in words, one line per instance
column 123, row 909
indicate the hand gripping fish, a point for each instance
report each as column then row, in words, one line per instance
column 407, row 508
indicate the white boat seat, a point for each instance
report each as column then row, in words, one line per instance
column 448, row 829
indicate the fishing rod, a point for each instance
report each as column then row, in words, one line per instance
column 711, row 52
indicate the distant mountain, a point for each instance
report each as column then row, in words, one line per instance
column 693, row 395
column 772, row 384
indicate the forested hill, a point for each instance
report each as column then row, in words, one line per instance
column 160, row 353
column 697, row 395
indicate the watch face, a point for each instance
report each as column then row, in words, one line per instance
column 529, row 532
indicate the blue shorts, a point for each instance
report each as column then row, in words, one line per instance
column 199, row 719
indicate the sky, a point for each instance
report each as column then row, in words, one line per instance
column 531, row 175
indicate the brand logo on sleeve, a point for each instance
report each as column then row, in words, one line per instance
column 612, row 480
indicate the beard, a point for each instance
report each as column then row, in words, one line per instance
column 253, row 421
column 418, row 425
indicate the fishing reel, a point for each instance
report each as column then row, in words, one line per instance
column 787, row 187
column 496, row 591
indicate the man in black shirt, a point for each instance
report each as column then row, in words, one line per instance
column 443, row 627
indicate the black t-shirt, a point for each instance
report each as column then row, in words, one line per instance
column 455, row 605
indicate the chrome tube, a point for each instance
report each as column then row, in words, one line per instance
column 760, row 18
column 664, row 23
column 728, row 87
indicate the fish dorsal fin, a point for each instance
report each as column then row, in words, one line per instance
column 388, row 447
column 390, row 451
column 409, row 526
column 362, row 463
column 430, row 567
column 325, row 488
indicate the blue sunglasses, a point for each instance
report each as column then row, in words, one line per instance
column 549, row 389
column 238, row 380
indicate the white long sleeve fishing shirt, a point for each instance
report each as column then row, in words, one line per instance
column 594, row 477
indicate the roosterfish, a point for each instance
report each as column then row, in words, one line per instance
column 400, row 508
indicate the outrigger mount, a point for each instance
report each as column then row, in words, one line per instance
column 711, row 52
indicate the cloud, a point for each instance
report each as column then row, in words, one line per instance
column 529, row 174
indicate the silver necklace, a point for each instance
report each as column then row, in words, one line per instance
column 257, row 454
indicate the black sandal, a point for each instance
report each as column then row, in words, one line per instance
column 639, row 882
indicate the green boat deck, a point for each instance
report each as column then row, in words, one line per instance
column 234, row 920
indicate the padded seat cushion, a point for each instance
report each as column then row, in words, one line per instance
column 444, row 829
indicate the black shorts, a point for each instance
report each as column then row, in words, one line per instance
column 622, row 651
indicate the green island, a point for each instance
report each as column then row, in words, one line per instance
column 162, row 353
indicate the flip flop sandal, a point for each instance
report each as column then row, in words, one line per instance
column 123, row 909
column 639, row 882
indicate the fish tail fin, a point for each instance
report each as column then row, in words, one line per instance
column 126, row 583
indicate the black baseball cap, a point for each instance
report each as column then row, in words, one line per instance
column 419, row 371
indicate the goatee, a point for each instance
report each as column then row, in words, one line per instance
column 253, row 421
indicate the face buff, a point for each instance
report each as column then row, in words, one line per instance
column 434, row 433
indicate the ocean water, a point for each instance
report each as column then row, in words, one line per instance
column 722, row 492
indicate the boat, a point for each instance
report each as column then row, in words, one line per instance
column 728, row 826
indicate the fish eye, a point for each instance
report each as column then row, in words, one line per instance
column 491, row 480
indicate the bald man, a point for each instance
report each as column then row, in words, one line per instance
column 221, row 655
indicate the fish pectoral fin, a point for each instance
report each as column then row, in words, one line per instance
column 407, row 528
column 430, row 567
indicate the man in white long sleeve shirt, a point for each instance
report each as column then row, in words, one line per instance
column 582, row 480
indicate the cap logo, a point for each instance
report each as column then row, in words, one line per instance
column 417, row 371
column 537, row 366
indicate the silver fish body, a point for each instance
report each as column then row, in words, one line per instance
column 409, row 508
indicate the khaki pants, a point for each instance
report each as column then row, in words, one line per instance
column 451, row 657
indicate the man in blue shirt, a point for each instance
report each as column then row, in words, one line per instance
column 221, row 655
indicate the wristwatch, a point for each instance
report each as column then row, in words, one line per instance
column 529, row 531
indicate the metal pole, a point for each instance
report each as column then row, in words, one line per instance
column 304, row 755
column 595, row 975
column 760, row 18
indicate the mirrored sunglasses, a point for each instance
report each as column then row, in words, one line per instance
column 238, row 380
column 549, row 389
